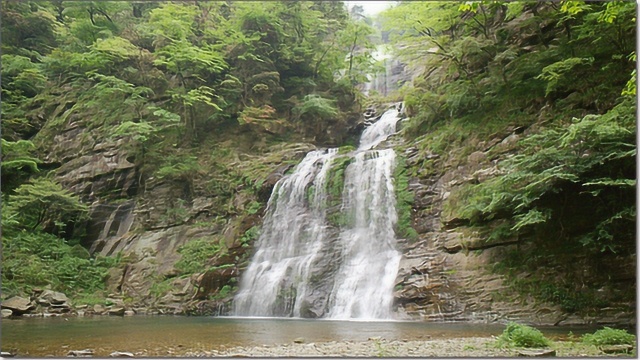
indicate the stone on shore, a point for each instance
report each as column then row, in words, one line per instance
column 18, row 305
column 80, row 353
column 615, row 349
column 537, row 353
column 49, row 297
column 121, row 354
column 6, row 313
column 117, row 311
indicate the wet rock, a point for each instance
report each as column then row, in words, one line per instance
column 121, row 354
column 18, row 305
column 80, row 353
column 299, row 340
column 6, row 354
column 99, row 309
column 6, row 313
column 129, row 313
column 116, row 311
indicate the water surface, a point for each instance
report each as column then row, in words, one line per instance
column 176, row 335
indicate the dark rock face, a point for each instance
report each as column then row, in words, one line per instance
column 272, row 179
column 213, row 280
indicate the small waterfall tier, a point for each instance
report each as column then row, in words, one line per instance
column 319, row 256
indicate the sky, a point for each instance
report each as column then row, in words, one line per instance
column 371, row 7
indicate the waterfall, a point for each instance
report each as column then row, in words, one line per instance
column 363, row 286
column 291, row 237
column 306, row 267
column 380, row 130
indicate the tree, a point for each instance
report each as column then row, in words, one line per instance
column 44, row 204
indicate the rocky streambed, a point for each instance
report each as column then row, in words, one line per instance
column 374, row 347
column 377, row 347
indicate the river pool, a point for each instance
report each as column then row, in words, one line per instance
column 175, row 335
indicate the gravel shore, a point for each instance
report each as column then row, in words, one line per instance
column 457, row 347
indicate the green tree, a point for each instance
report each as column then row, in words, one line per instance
column 44, row 204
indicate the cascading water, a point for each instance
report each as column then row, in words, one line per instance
column 292, row 236
column 305, row 267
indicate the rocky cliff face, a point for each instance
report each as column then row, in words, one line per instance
column 448, row 273
column 145, row 220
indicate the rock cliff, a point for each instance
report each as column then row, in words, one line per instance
column 450, row 272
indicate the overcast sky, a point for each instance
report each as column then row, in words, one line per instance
column 370, row 7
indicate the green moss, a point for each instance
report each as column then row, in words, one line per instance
column 335, row 180
column 196, row 253
column 339, row 219
column 346, row 149
column 160, row 287
column 404, row 201
column 335, row 187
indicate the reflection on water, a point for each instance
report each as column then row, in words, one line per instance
column 174, row 335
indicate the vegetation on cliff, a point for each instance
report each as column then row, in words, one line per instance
column 543, row 95
column 193, row 94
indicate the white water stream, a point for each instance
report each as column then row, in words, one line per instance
column 301, row 263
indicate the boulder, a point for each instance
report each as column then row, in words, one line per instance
column 537, row 353
column 98, row 309
column 18, row 305
column 117, row 311
column 49, row 297
column 6, row 313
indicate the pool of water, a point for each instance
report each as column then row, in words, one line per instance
column 175, row 335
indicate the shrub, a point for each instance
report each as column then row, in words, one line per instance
column 522, row 336
column 609, row 336
column 196, row 254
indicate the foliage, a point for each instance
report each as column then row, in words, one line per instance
column 564, row 76
column 519, row 335
column 44, row 204
column 166, row 83
column 609, row 336
column 36, row 259
column 595, row 153
column 196, row 253
column 250, row 236
column 178, row 167
column 315, row 107
column 18, row 162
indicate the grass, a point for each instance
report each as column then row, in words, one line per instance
column 609, row 336
column 518, row 335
